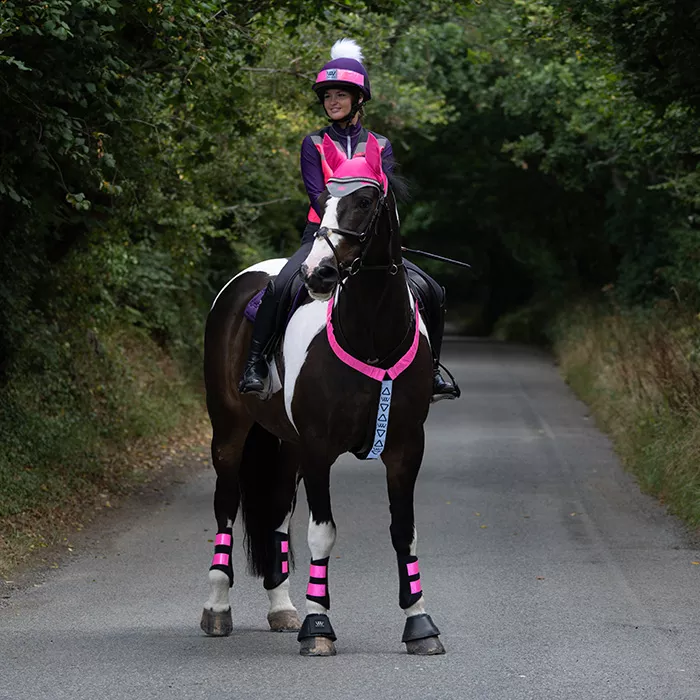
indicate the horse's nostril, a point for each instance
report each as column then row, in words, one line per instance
column 327, row 273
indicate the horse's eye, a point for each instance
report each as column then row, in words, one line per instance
column 364, row 203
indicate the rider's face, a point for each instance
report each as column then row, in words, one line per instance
column 338, row 103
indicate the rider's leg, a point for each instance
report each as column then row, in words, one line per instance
column 256, row 375
column 435, row 312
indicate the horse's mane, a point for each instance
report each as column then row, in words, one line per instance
column 399, row 186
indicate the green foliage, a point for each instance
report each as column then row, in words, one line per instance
column 149, row 150
column 69, row 403
column 558, row 172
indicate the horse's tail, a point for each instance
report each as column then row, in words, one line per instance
column 261, row 475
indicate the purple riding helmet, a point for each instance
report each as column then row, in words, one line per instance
column 345, row 69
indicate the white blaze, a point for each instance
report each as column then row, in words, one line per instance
column 321, row 250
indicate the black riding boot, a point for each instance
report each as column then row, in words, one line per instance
column 256, row 375
column 442, row 388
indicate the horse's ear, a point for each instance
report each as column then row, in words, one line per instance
column 332, row 153
column 373, row 155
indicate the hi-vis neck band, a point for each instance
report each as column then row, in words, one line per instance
column 385, row 376
column 382, row 419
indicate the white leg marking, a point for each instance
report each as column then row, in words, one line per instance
column 414, row 543
column 271, row 267
column 218, row 581
column 306, row 324
column 321, row 540
column 279, row 597
column 418, row 608
column 218, row 599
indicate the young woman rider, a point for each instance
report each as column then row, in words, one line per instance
column 343, row 88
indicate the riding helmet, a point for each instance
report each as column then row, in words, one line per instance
column 345, row 69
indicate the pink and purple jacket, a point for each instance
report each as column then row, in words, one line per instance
column 315, row 170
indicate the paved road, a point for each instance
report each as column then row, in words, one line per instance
column 547, row 572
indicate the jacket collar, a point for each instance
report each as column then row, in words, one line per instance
column 351, row 131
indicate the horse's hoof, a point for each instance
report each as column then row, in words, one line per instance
column 217, row 624
column 284, row 621
column 429, row 646
column 317, row 646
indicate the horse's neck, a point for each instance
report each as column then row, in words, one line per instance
column 375, row 313
column 374, row 307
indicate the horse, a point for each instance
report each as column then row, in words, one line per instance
column 353, row 356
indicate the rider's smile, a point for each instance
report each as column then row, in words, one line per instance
column 338, row 103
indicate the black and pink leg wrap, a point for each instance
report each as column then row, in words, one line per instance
column 222, row 553
column 410, row 589
column 280, row 562
column 317, row 590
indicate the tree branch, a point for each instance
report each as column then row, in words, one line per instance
column 255, row 204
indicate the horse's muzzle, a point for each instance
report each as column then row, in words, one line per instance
column 322, row 281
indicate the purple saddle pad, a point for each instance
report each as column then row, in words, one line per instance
column 251, row 310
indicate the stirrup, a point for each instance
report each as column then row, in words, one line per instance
column 450, row 391
column 255, row 385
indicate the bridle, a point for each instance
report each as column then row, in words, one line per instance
column 364, row 237
column 358, row 264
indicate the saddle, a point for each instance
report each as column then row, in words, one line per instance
column 293, row 296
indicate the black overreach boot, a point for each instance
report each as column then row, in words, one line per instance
column 442, row 389
column 256, row 375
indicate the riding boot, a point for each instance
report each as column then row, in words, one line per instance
column 442, row 388
column 256, row 375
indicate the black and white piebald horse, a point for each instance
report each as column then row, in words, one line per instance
column 352, row 374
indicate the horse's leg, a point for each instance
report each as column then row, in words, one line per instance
column 316, row 635
column 402, row 462
column 227, row 443
column 282, row 615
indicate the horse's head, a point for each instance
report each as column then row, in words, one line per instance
column 353, row 203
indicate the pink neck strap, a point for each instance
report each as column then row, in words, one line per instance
column 376, row 373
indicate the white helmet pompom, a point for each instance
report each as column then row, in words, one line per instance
column 346, row 48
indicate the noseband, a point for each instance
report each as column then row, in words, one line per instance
column 363, row 237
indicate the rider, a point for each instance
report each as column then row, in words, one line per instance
column 342, row 88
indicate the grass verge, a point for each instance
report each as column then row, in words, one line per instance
column 640, row 374
column 82, row 425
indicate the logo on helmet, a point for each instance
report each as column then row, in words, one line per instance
column 332, row 74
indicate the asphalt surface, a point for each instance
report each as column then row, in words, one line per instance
column 547, row 572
